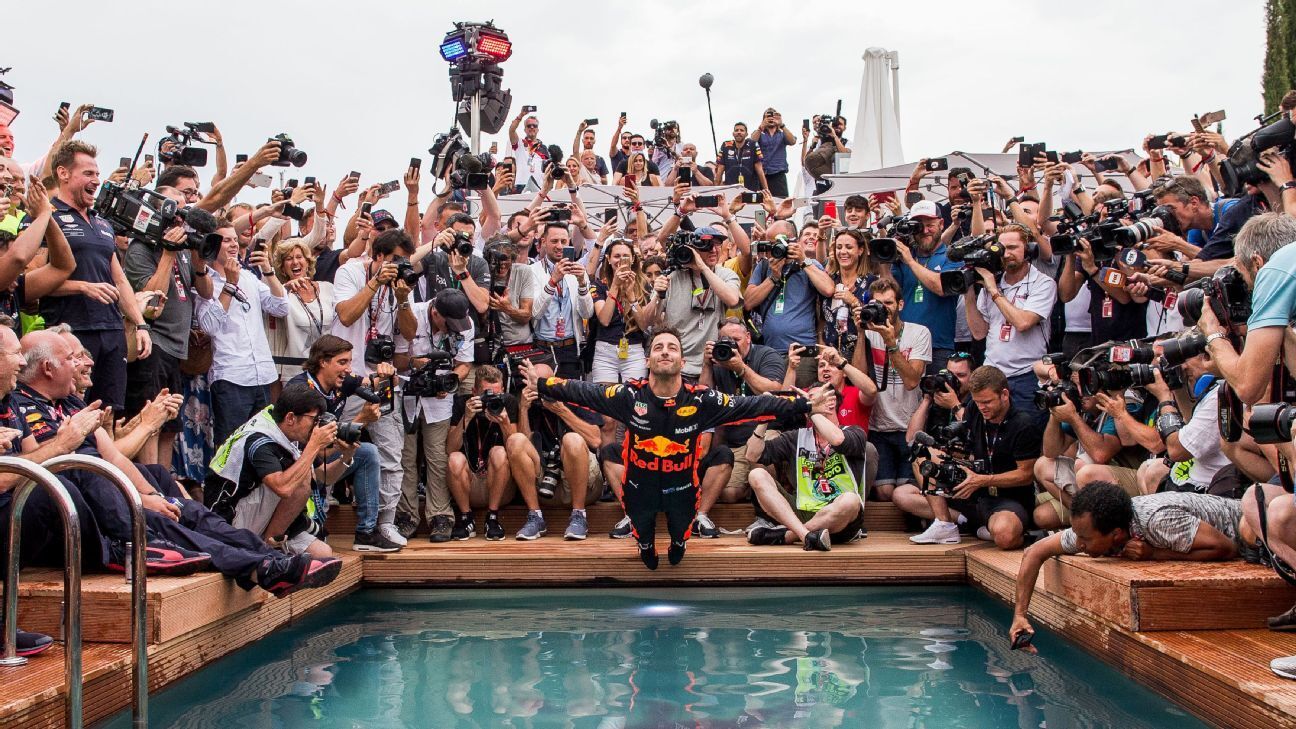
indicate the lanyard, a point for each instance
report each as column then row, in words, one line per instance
column 317, row 322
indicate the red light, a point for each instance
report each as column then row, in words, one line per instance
column 494, row 46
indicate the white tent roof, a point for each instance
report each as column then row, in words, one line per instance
column 656, row 202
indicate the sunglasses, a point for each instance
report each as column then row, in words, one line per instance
column 533, row 126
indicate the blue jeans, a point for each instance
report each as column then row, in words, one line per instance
column 368, row 476
column 234, row 405
column 1022, row 387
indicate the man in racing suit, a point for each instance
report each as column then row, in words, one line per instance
column 664, row 418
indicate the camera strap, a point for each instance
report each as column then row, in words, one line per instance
column 1277, row 393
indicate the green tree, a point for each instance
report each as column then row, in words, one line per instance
column 1280, row 51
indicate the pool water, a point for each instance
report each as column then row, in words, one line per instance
column 626, row 659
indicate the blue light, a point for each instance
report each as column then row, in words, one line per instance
column 453, row 50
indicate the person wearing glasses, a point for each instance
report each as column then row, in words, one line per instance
column 638, row 145
column 529, row 152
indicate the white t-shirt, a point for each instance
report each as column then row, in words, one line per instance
column 1201, row 437
column 529, row 165
column 895, row 405
column 460, row 346
column 1078, row 319
column 1014, row 352
column 350, row 279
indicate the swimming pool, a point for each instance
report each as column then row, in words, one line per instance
column 638, row 658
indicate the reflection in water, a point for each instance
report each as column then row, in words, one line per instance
column 629, row 659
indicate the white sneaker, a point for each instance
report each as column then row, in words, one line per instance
column 1284, row 667
column 984, row 534
column 392, row 534
column 940, row 532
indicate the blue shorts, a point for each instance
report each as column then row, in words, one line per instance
column 894, row 464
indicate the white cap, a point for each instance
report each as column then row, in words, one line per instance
column 924, row 209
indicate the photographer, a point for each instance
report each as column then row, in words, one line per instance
column 242, row 368
column 513, row 292
column 480, row 475
column 328, row 371
column 785, row 289
column 449, row 261
column 442, row 327
column 774, row 139
column 943, row 402
column 826, row 464
column 1008, row 314
column 372, row 307
column 740, row 162
column 692, row 299
column 1112, row 311
column 562, row 302
column 996, row 505
column 740, row 368
column 1267, row 263
column 1212, row 225
column 1192, row 445
column 818, row 158
column 922, row 258
column 261, row 477
column 553, row 456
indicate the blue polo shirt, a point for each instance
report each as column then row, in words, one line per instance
column 93, row 245
column 796, row 320
column 924, row 307
column 773, row 151
column 1273, row 298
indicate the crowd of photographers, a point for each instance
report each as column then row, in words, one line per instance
column 1086, row 358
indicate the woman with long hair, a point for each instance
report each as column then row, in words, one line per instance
column 310, row 305
column 851, row 272
column 619, row 291
column 637, row 168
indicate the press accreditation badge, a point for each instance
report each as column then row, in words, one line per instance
column 1005, row 333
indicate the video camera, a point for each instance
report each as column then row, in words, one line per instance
column 680, row 247
column 289, row 155
column 941, row 477
column 664, row 132
column 146, row 215
column 982, row 251
column 181, row 151
column 1241, row 168
column 824, row 129
column 472, row 172
column 435, row 378
column 1098, row 230
column 1120, row 365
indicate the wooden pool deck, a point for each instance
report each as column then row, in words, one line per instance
column 1192, row 632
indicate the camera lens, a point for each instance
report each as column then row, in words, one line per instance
column 1178, row 351
column 883, row 250
column 1272, row 422
column 724, row 350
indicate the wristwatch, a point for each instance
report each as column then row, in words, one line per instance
column 1213, row 336
column 1289, row 185
column 142, row 327
column 461, row 275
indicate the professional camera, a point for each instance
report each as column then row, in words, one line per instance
column 664, row 133
column 901, row 227
column 1147, row 225
column 181, row 151
column 1241, row 169
column 680, row 247
column 1099, row 231
column 933, row 384
column 554, row 167
column 405, row 271
column 824, row 130
column 1229, row 296
column 883, row 250
column 434, row 379
column 1116, row 366
column 352, row 384
column 288, row 152
column 1180, row 350
column 347, row 432
column 777, row 249
column 551, row 472
column 1272, row 422
column 146, row 215
column 492, row 402
column 982, row 251
column 941, row 477
column 724, row 349
column 874, row 313
column 445, row 150
column 1055, row 393
column 472, row 172
column 462, row 244
column 380, row 349
column 559, row 213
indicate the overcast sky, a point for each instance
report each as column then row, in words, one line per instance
column 360, row 85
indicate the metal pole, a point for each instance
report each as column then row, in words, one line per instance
column 893, row 60
column 475, row 118
column 711, row 117
column 138, row 570
column 39, row 476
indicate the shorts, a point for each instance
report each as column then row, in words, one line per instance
column 845, row 535
column 608, row 367
column 253, row 513
column 1126, row 478
column 479, row 495
column 145, row 378
column 979, row 511
column 563, row 494
column 894, row 464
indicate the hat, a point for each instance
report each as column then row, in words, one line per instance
column 382, row 216
column 452, row 305
column 708, row 231
column 924, row 209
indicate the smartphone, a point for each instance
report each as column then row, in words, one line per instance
column 366, row 208
column 1107, row 165
column 751, row 198
column 708, row 201
column 240, row 158
column 355, row 175
column 260, row 179
column 1026, row 153
column 628, row 181
column 938, row 164
column 416, row 163
column 830, row 209
column 292, row 182
column 591, row 122
column 98, row 113
column 1158, row 142
column 528, row 110
column 1052, row 157
column 623, row 115
column 761, row 217
column 388, row 188
column 148, row 160
column 204, row 127
column 1022, row 640
column 684, row 176
column 569, row 253
column 310, row 180
column 805, row 124
column 609, row 215
column 64, row 106
column 124, row 163
column 810, row 350
column 1072, row 158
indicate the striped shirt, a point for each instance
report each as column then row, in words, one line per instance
column 1170, row 520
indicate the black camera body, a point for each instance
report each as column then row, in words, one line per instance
column 352, row 384
column 777, row 249
column 289, row 155
column 1055, row 393
column 380, row 349
column 435, row 378
column 933, row 384
column 680, row 247
column 347, row 432
column 824, row 130
column 1230, row 298
column 724, row 349
column 940, row 477
column 492, row 402
column 146, row 215
column 181, row 150
column 973, row 252
column 874, row 313
column 472, row 172
column 664, row 132
column 1241, row 168
column 551, row 472
column 405, row 271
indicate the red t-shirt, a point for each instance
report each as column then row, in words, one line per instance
column 850, row 411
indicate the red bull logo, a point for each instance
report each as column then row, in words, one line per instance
column 667, row 454
column 660, row 446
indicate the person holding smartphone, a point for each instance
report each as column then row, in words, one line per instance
column 562, row 302
column 584, row 143
column 774, row 139
column 529, row 153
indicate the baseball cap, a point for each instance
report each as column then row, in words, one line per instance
column 708, row 231
column 382, row 216
column 924, row 209
column 452, row 305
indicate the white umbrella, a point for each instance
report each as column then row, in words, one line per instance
column 876, row 143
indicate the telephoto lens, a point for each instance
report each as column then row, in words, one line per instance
column 1272, row 422
column 1178, row 351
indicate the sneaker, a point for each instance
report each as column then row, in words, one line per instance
column 534, row 528
column 649, row 556
column 983, row 534
column 817, row 541
column 676, row 552
column 374, row 541
column 623, row 529
column 760, row 522
column 940, row 532
column 767, row 535
column 282, row 576
column 163, row 558
column 30, row 644
column 1284, row 667
column 1285, row 623
column 494, row 529
column 577, row 528
column 463, row 529
column 705, row 528
column 406, row 525
column 441, row 525
column 392, row 534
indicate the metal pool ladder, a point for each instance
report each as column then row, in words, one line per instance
column 43, row 476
